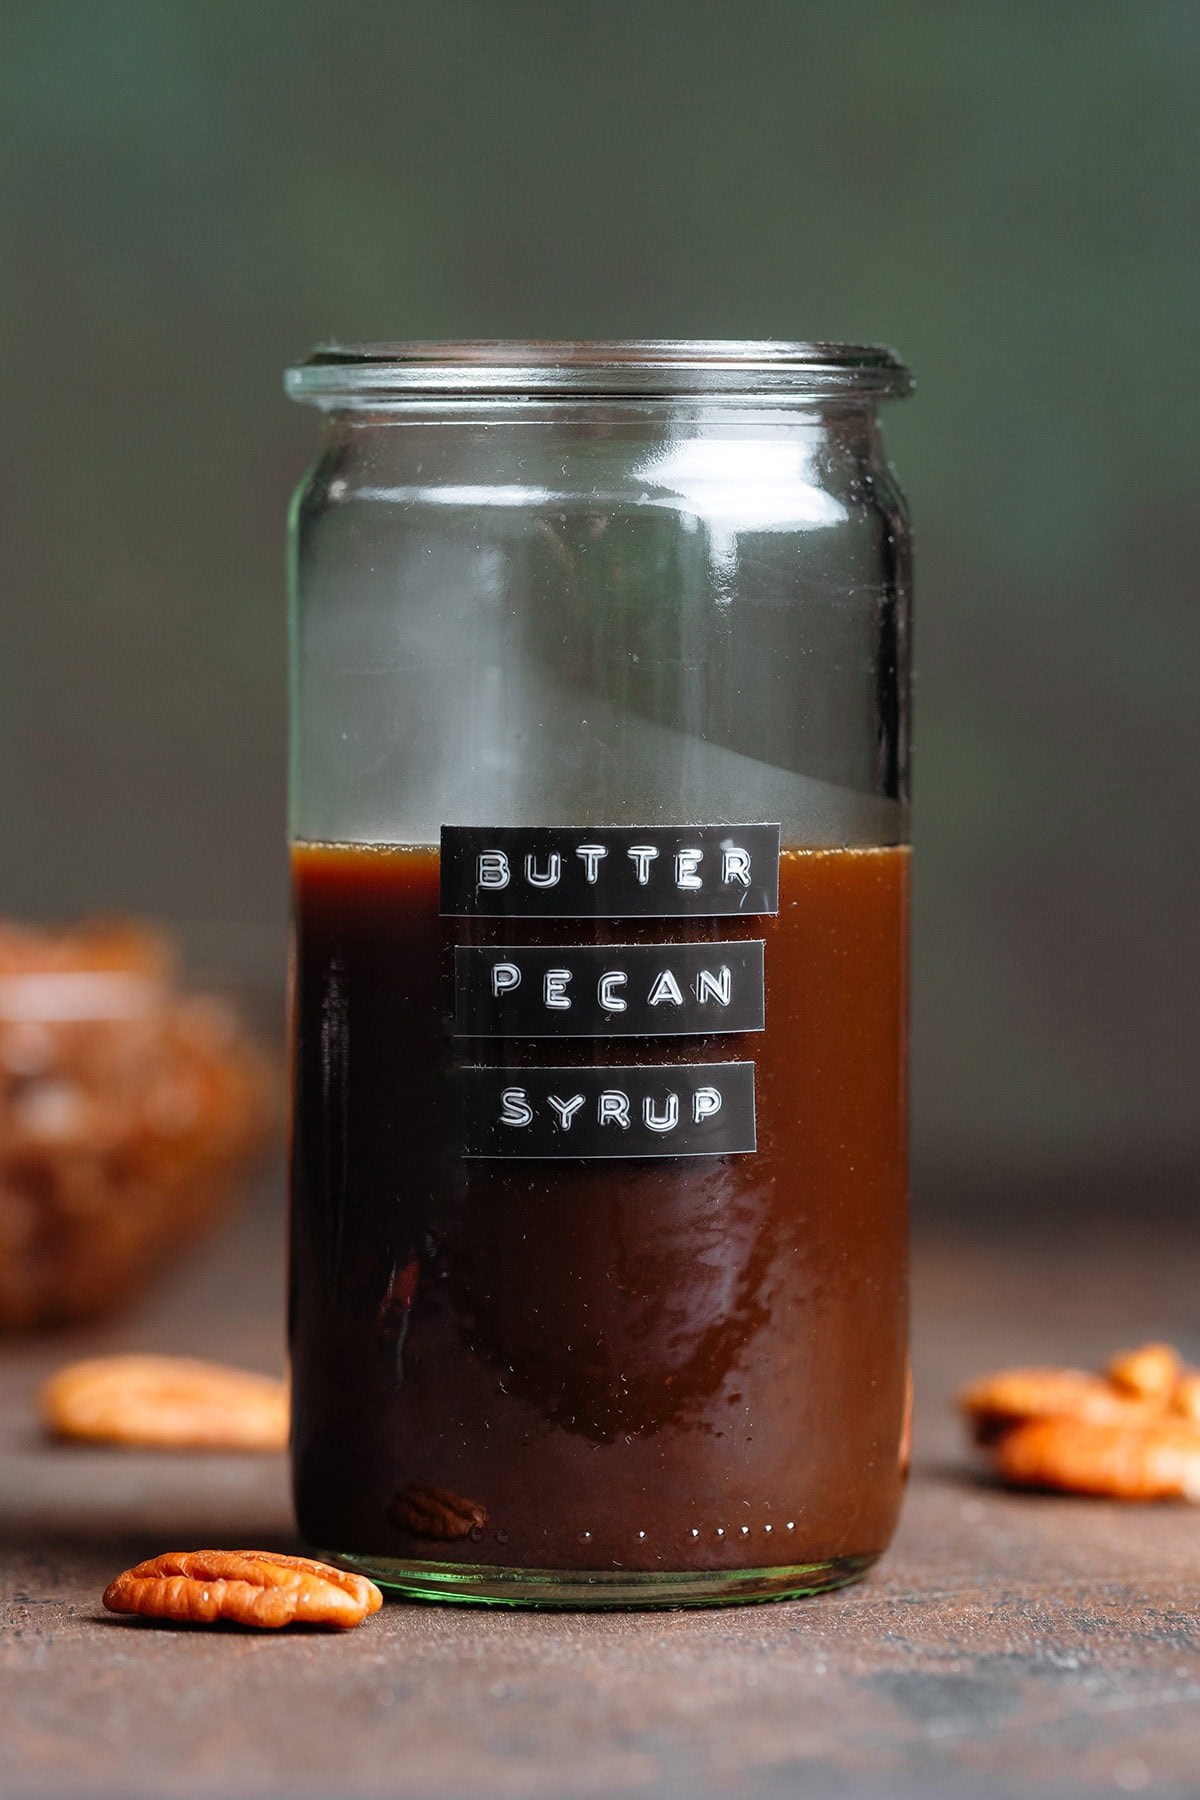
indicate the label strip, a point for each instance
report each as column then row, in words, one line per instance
column 609, row 990
column 644, row 1110
column 612, row 872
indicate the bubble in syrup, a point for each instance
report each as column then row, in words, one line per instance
column 745, row 1531
column 585, row 1537
column 766, row 1528
column 502, row 1537
column 695, row 1533
column 641, row 1534
column 720, row 1531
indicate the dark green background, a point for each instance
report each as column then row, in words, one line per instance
column 193, row 193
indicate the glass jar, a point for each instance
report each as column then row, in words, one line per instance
column 599, row 826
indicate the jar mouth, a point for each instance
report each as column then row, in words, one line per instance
column 643, row 368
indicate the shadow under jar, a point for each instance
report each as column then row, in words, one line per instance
column 599, row 836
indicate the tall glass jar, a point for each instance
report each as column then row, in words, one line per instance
column 599, row 826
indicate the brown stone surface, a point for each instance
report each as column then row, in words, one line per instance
column 1008, row 1644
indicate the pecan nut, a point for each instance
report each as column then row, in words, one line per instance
column 1185, row 1400
column 1132, row 1433
column 1148, row 1460
column 246, row 1587
column 166, row 1402
column 1151, row 1372
column 436, row 1513
column 995, row 1403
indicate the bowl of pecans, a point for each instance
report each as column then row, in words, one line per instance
column 127, row 1107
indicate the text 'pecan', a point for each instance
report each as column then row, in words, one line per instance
column 245, row 1587
column 166, row 1402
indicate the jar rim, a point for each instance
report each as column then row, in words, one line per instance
column 345, row 374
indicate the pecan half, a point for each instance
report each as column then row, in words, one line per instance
column 166, row 1402
column 1150, row 1460
column 436, row 1513
column 1185, row 1400
column 247, row 1587
column 1150, row 1372
column 995, row 1403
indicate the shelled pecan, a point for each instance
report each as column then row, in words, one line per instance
column 1151, row 1372
column 436, row 1513
column 1132, row 1433
column 166, row 1402
column 995, row 1403
column 246, row 1587
column 1159, row 1460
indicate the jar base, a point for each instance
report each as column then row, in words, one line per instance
column 483, row 1584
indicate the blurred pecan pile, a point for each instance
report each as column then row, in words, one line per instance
column 1131, row 1432
column 125, row 1107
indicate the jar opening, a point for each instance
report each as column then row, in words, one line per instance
column 346, row 374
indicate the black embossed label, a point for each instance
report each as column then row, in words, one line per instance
column 609, row 990
column 646, row 1110
column 646, row 990
column 657, row 871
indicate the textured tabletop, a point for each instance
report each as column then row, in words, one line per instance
column 1007, row 1645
